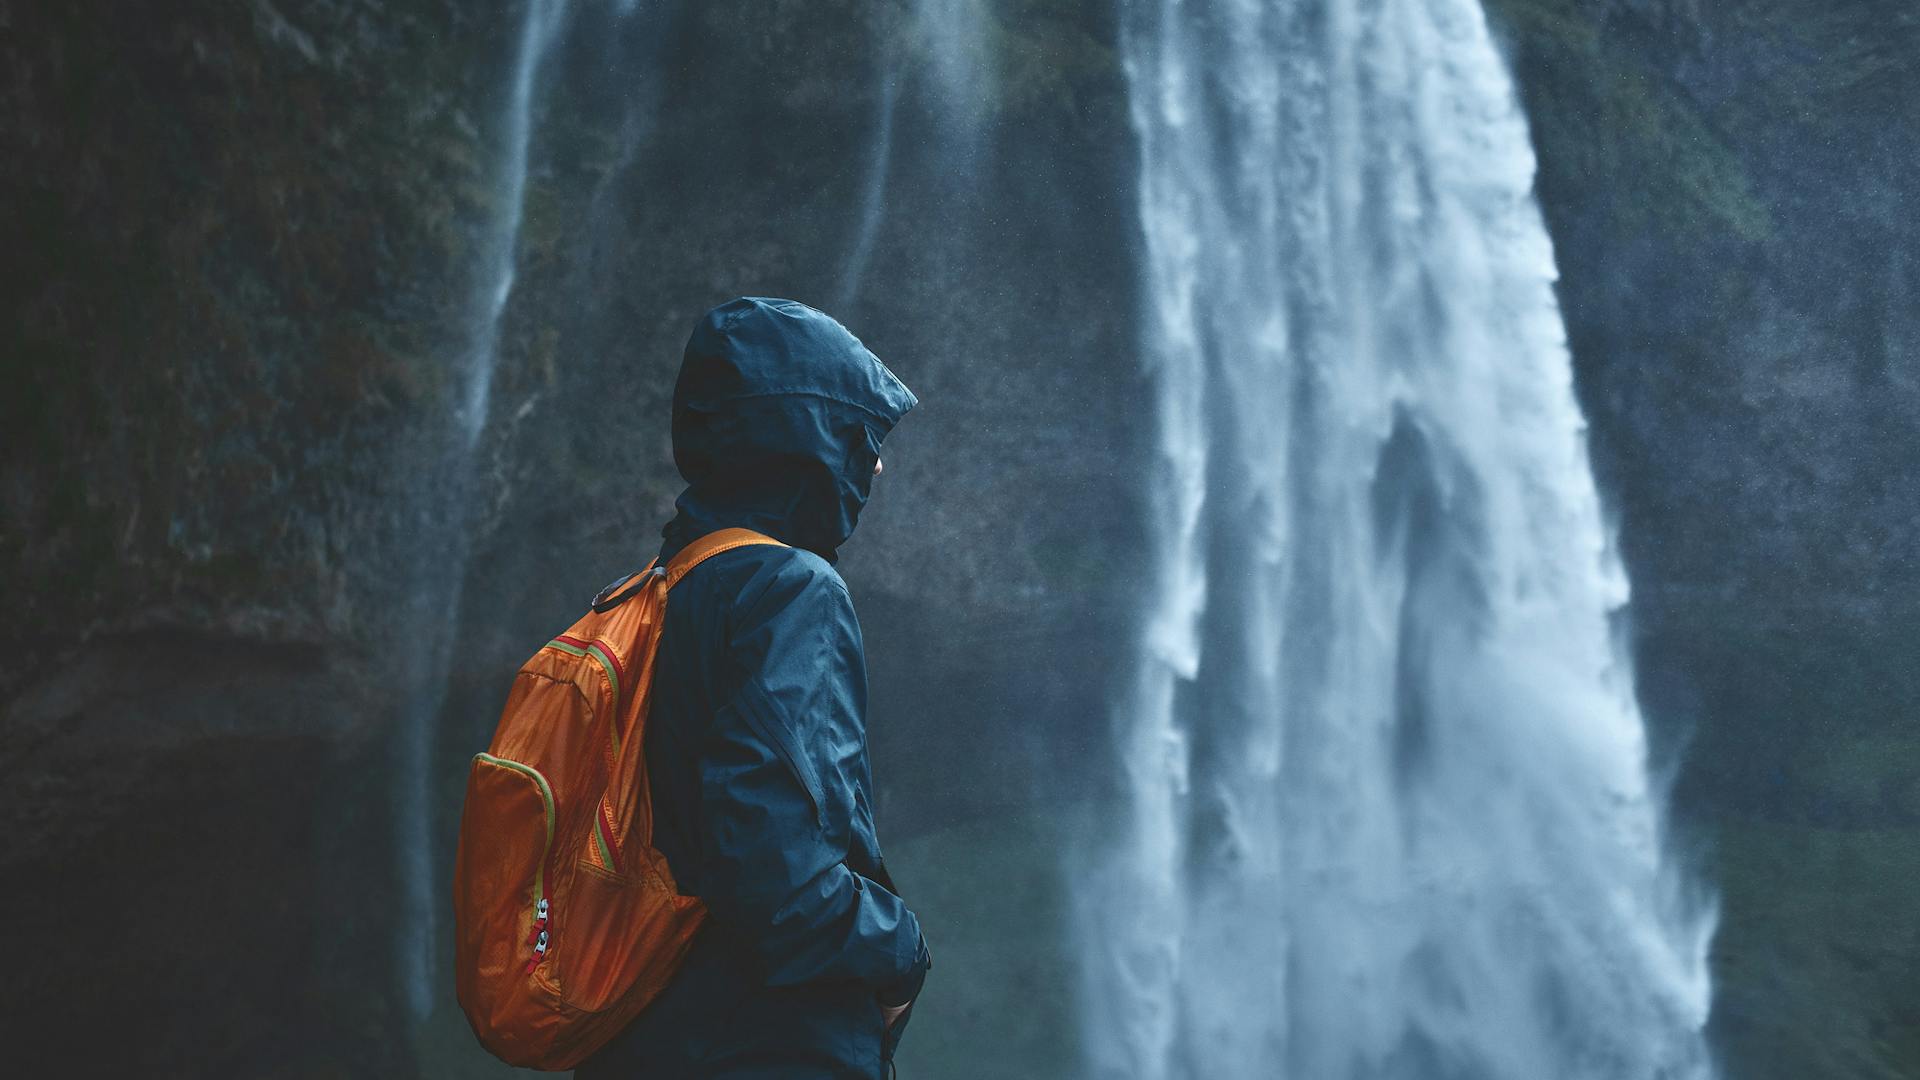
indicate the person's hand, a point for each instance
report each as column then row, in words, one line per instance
column 894, row 1012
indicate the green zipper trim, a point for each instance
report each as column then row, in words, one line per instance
column 600, row 841
column 546, row 796
column 598, row 654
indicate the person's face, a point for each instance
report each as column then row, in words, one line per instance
column 877, row 466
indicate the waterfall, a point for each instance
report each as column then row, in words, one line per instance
column 442, row 523
column 958, row 75
column 873, row 197
column 538, row 28
column 1387, row 808
column 955, row 33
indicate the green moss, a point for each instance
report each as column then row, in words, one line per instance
column 1606, row 121
column 1838, row 60
column 1820, row 927
column 1876, row 770
column 1048, row 56
column 1045, row 55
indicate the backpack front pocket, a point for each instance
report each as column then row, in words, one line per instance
column 504, row 879
column 625, row 935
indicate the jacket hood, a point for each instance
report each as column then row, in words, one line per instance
column 778, row 416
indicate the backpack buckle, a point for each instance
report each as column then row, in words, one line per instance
column 614, row 595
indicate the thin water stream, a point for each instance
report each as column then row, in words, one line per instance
column 433, row 608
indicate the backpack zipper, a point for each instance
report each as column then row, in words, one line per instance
column 542, row 910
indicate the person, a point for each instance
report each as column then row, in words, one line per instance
column 809, row 960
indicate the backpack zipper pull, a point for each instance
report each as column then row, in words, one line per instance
column 539, row 922
column 539, row 953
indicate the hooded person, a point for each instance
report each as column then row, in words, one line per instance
column 756, row 738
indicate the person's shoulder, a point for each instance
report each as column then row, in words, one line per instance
column 778, row 577
column 775, row 560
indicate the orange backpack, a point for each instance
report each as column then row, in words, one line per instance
column 567, row 920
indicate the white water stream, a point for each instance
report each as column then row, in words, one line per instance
column 956, row 37
column 1387, row 804
column 435, row 605
column 873, row 192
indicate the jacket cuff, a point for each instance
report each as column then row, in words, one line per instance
column 907, row 987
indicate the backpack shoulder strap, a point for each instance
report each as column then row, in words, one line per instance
column 710, row 545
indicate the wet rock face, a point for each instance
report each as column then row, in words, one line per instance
column 178, row 887
column 239, row 275
column 1729, row 193
column 233, row 237
column 233, row 241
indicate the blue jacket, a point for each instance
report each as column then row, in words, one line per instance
column 756, row 737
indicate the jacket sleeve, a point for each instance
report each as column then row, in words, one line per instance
column 773, row 767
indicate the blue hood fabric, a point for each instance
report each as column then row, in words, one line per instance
column 756, row 738
column 778, row 416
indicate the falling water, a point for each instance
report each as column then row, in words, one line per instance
column 1388, row 812
column 873, row 197
column 955, row 33
column 434, row 606
column 958, row 73
column 537, row 32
